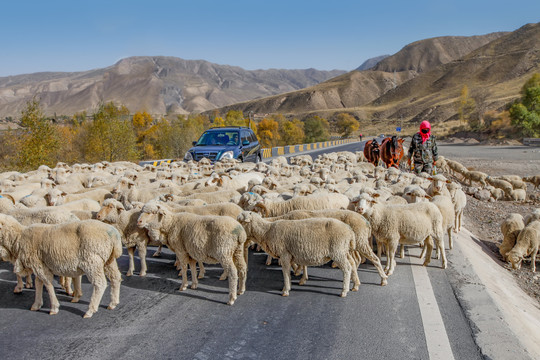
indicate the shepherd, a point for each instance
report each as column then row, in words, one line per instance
column 423, row 150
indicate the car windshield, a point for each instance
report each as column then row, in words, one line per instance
column 229, row 138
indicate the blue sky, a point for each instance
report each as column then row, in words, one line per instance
column 83, row 35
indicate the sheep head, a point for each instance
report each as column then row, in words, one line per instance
column 55, row 197
column 364, row 203
column 110, row 210
column 514, row 259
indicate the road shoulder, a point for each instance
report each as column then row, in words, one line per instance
column 504, row 319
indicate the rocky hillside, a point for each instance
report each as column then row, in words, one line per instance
column 158, row 85
column 354, row 90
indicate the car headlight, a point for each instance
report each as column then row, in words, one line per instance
column 188, row 156
column 227, row 155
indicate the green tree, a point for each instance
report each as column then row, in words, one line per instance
column 291, row 132
column 346, row 124
column 526, row 112
column 316, row 129
column 39, row 139
column 235, row 118
column 110, row 136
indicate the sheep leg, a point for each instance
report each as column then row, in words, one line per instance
column 193, row 268
column 183, row 270
column 268, row 260
column 401, row 251
column 131, row 253
column 142, row 255
column 439, row 241
column 424, row 251
column 47, row 282
column 228, row 265
column 305, row 276
column 99, row 283
column 65, row 281
column 202, row 271
column 286, row 269
column 345, row 266
column 450, row 242
column 158, row 252
column 77, row 291
column 367, row 253
column 391, row 248
column 29, row 280
column 241, row 267
column 20, row 285
column 428, row 245
column 38, row 296
column 354, row 272
column 115, row 277
column 533, row 260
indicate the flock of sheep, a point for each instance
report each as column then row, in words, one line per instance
column 75, row 220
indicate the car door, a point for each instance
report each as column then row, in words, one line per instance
column 246, row 149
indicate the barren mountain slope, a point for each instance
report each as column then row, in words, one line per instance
column 498, row 68
column 155, row 84
column 357, row 88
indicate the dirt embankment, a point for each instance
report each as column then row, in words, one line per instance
column 483, row 218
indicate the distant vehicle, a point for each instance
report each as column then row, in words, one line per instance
column 381, row 136
column 233, row 142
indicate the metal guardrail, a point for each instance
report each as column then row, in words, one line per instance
column 531, row 141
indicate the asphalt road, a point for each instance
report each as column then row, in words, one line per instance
column 155, row 320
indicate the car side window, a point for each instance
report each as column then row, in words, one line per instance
column 245, row 136
column 252, row 137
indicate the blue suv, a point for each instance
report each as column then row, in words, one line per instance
column 233, row 142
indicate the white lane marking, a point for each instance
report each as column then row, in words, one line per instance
column 436, row 337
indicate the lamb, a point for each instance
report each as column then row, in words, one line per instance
column 408, row 224
column 360, row 226
column 308, row 242
column 510, row 228
column 516, row 195
column 527, row 243
column 87, row 247
column 438, row 186
column 535, row 180
column 534, row 215
column 476, row 176
column 113, row 212
column 310, row 202
column 210, row 239
column 459, row 199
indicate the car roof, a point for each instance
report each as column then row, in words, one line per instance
column 228, row 128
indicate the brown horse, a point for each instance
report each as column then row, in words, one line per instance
column 372, row 152
column 392, row 151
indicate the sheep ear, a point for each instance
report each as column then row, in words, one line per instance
column 448, row 181
column 376, row 195
column 130, row 184
column 430, row 178
column 428, row 197
column 63, row 194
column 161, row 211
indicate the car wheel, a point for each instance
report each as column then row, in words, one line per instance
column 258, row 159
column 241, row 159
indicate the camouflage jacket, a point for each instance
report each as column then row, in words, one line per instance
column 425, row 153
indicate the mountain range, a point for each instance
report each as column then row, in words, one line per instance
column 421, row 81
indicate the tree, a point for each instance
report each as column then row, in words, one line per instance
column 526, row 112
column 39, row 140
column 218, row 122
column 110, row 136
column 291, row 132
column 267, row 132
column 465, row 105
column 346, row 124
column 316, row 129
column 235, row 118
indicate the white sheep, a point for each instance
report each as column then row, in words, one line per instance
column 407, row 224
column 527, row 243
column 460, row 201
column 359, row 224
column 86, row 247
column 209, row 239
column 308, row 242
column 310, row 202
column 510, row 228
